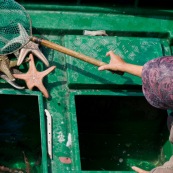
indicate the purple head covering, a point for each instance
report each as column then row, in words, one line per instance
column 157, row 82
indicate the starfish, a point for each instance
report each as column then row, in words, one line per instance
column 22, row 39
column 6, row 70
column 29, row 47
column 34, row 77
column 5, row 65
column 33, row 48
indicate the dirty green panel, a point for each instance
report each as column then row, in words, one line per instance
column 133, row 50
column 53, row 18
column 57, row 105
column 113, row 131
column 22, row 129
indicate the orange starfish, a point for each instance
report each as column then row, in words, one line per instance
column 34, row 77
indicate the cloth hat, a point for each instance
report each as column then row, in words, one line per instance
column 157, row 82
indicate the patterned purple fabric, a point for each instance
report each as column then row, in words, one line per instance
column 157, row 82
column 166, row 168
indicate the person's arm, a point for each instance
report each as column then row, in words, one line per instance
column 118, row 64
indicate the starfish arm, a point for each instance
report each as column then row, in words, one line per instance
column 7, row 72
column 5, row 67
column 28, row 80
column 13, row 42
column 15, row 71
column 13, row 64
column 47, row 71
column 40, row 55
column 30, row 85
column 21, row 39
column 32, row 69
column 3, row 39
column 16, row 54
column 32, row 47
column 20, row 76
column 22, row 55
column 43, row 89
column 12, row 83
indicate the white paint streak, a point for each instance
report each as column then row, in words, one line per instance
column 69, row 142
column 61, row 137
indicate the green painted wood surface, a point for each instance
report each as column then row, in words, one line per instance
column 133, row 50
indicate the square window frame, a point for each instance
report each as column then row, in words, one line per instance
column 76, row 165
column 44, row 166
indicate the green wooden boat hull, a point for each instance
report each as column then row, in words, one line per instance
column 101, row 121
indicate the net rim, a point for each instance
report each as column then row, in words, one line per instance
column 29, row 29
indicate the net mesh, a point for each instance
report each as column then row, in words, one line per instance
column 15, row 26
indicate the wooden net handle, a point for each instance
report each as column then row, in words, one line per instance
column 72, row 53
